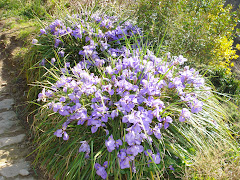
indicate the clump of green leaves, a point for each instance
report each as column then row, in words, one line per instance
column 224, row 83
column 191, row 28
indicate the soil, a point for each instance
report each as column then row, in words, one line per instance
column 14, row 81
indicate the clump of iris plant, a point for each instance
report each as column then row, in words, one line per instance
column 122, row 111
column 130, row 97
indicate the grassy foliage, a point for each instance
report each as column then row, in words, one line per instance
column 30, row 9
column 228, row 87
column 215, row 163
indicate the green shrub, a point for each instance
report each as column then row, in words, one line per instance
column 224, row 83
column 194, row 29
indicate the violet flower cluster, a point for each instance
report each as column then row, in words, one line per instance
column 95, row 35
column 134, row 89
column 131, row 92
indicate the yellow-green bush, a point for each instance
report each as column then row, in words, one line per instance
column 224, row 53
column 200, row 30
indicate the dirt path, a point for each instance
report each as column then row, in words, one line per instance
column 15, row 144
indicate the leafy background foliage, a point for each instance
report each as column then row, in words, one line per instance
column 195, row 29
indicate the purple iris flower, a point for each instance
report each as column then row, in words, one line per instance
column 114, row 114
column 99, row 62
column 156, row 113
column 77, row 33
column 42, row 96
column 64, row 110
column 138, row 101
column 67, row 64
column 64, row 70
column 104, row 45
column 156, row 132
column 57, row 42
column 49, row 93
column 69, row 30
column 57, row 106
column 184, row 114
column 105, row 164
column 136, row 128
column 110, row 144
column 109, row 70
column 53, row 60
column 168, row 119
column 62, row 99
column 130, row 138
column 158, row 103
column 65, row 136
column 134, row 150
column 62, row 133
column 166, row 125
column 196, row 106
column 149, row 151
column 100, row 170
column 84, row 147
column 34, row 41
column 171, row 167
column 107, row 132
column 122, row 154
column 118, row 143
column 181, row 59
column 42, row 31
column 58, row 133
column 81, row 114
column 108, row 89
column 95, row 127
column 125, row 163
column 61, row 53
column 42, row 63
column 156, row 158
column 198, row 82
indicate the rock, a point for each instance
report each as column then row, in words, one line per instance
column 6, row 141
column 8, row 115
column 5, row 125
column 7, row 120
column 6, row 103
column 12, row 170
column 23, row 172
